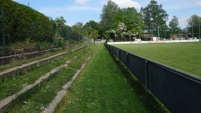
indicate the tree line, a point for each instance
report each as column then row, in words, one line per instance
column 123, row 24
column 22, row 22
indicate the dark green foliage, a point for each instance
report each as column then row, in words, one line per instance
column 93, row 25
column 131, row 18
column 23, row 22
column 112, row 15
column 154, row 16
column 107, row 16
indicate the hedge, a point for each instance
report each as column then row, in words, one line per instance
column 22, row 22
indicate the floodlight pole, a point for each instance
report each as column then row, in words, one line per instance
column 199, row 32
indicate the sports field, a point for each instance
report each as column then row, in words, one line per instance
column 182, row 56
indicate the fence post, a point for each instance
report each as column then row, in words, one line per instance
column 119, row 55
column 127, row 60
column 3, row 33
column 146, row 74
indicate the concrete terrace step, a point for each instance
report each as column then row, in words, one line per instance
column 25, row 67
column 62, row 92
column 8, row 100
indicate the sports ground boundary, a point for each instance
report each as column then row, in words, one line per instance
column 150, row 42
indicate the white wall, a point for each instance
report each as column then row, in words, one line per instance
column 147, row 42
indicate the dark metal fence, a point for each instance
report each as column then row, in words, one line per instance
column 178, row 91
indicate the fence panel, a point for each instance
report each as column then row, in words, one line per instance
column 123, row 57
column 178, row 91
column 137, row 67
column 117, row 52
column 173, row 89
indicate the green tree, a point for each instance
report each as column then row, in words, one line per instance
column 65, row 32
column 93, row 25
column 107, row 16
column 90, row 32
column 194, row 23
column 154, row 16
column 78, row 27
column 131, row 18
column 60, row 21
column 164, row 31
column 60, row 27
column 174, row 26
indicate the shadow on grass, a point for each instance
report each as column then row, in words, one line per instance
column 149, row 100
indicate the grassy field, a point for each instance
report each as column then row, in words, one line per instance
column 102, row 87
column 183, row 56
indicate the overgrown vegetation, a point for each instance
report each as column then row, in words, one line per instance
column 29, row 30
column 11, row 85
column 41, row 96
column 51, row 53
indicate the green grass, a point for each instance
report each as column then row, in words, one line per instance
column 36, row 100
column 183, row 56
column 11, row 85
column 103, row 88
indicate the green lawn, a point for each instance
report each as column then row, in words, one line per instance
column 183, row 56
column 103, row 88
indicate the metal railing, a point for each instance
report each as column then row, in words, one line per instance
column 178, row 91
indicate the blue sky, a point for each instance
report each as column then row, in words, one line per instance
column 85, row 10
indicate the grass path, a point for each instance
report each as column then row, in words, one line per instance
column 103, row 88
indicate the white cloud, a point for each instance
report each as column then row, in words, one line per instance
column 103, row 1
column 82, row 1
column 163, row 0
column 63, row 9
column 127, row 3
column 197, row 2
